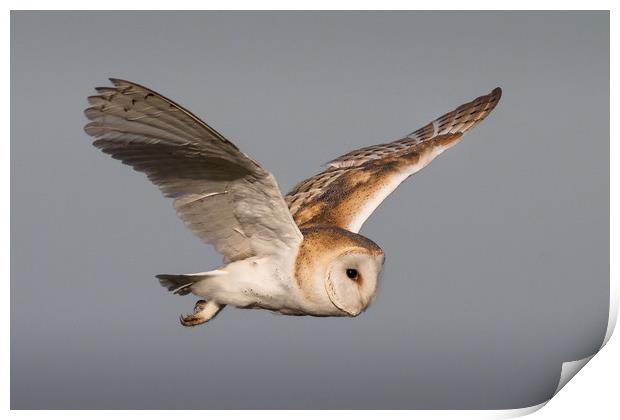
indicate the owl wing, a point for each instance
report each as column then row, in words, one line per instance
column 354, row 184
column 222, row 195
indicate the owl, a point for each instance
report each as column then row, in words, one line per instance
column 299, row 254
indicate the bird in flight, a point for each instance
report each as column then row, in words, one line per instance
column 299, row 254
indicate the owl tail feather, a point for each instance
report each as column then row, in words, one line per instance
column 180, row 284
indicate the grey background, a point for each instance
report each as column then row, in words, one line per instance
column 497, row 254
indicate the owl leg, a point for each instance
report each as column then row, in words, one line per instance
column 203, row 312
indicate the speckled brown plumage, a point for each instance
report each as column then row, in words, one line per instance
column 356, row 179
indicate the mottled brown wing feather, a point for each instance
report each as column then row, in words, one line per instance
column 354, row 184
column 222, row 195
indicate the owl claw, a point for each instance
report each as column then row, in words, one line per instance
column 190, row 320
column 203, row 312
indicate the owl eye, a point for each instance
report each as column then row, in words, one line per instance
column 352, row 273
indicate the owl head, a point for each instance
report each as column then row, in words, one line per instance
column 338, row 271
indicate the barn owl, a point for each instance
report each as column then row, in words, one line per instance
column 299, row 254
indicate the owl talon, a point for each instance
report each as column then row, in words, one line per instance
column 203, row 311
column 190, row 320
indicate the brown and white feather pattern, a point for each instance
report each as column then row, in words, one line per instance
column 224, row 196
column 354, row 184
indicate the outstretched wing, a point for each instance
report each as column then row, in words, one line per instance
column 354, row 184
column 221, row 194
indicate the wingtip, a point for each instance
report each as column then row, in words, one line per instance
column 497, row 92
column 122, row 83
column 116, row 81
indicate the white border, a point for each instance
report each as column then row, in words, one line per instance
column 569, row 369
